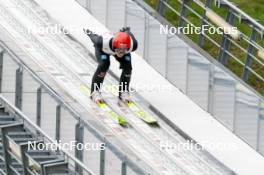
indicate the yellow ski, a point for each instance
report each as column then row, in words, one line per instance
column 102, row 105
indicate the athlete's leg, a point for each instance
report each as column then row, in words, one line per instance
column 102, row 68
column 126, row 66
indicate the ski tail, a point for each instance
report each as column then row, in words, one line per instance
column 105, row 107
column 120, row 120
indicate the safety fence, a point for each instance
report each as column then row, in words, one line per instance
column 224, row 31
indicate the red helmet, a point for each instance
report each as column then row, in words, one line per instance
column 121, row 40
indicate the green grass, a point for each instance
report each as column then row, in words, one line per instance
column 254, row 8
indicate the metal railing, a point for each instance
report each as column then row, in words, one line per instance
column 81, row 126
column 14, row 110
column 244, row 52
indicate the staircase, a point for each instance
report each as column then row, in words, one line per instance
column 24, row 150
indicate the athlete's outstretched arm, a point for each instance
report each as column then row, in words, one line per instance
column 96, row 39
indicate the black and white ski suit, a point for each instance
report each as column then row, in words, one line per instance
column 103, row 50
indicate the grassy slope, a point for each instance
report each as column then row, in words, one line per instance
column 255, row 8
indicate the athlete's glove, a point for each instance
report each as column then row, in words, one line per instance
column 87, row 32
column 125, row 29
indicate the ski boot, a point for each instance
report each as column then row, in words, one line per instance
column 97, row 97
column 125, row 97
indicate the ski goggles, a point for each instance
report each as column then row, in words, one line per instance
column 120, row 51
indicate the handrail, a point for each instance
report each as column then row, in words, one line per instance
column 43, row 84
column 243, row 35
column 244, row 14
column 39, row 130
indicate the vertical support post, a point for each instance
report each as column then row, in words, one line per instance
column 167, row 57
column 6, row 156
column 88, row 5
column 24, row 147
column 79, row 138
column 102, row 161
column 183, row 13
column 38, row 119
column 123, row 168
column 58, row 122
column 225, row 43
column 258, row 134
column 6, row 146
column 19, row 87
column 235, row 113
column 260, row 119
column 250, row 51
column 1, row 69
column 106, row 13
column 201, row 36
column 161, row 7
column 210, row 104
column 146, row 38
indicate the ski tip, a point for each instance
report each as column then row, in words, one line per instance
column 153, row 123
column 122, row 122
